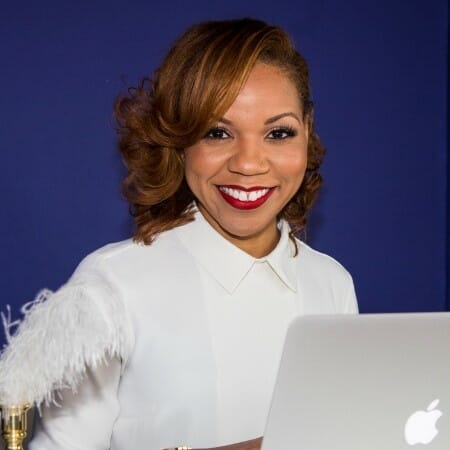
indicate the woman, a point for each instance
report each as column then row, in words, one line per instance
column 181, row 329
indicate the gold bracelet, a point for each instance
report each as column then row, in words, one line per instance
column 183, row 447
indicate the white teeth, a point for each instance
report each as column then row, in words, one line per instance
column 244, row 196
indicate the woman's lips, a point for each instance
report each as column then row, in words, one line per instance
column 245, row 198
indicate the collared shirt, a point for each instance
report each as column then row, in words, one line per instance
column 207, row 323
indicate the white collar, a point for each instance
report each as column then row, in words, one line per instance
column 229, row 264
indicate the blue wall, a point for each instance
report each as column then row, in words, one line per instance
column 448, row 165
column 379, row 75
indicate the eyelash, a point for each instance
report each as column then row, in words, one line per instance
column 209, row 134
column 287, row 130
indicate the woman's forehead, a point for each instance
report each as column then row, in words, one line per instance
column 267, row 92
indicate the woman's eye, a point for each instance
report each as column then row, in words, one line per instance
column 217, row 133
column 282, row 133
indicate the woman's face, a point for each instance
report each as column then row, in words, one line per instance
column 251, row 163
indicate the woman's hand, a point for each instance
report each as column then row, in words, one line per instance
column 254, row 444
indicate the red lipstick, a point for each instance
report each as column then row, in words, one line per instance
column 245, row 198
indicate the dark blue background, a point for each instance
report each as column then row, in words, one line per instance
column 379, row 76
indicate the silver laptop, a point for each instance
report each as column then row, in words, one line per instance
column 367, row 382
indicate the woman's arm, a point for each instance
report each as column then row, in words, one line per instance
column 254, row 444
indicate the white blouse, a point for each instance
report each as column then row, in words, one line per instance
column 206, row 328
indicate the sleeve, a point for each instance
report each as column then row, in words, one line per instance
column 351, row 303
column 84, row 419
column 75, row 342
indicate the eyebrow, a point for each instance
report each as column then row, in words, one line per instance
column 269, row 120
column 280, row 116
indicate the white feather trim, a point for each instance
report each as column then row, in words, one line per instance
column 82, row 324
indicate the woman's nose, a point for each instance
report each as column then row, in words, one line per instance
column 248, row 158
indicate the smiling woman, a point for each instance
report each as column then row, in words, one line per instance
column 174, row 337
column 185, row 106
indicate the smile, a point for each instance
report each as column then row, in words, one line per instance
column 242, row 198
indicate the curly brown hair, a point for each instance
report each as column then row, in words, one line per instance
column 196, row 84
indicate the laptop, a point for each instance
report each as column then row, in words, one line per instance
column 363, row 382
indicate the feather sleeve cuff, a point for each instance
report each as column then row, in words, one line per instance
column 82, row 324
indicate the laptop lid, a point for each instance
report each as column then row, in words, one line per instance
column 352, row 382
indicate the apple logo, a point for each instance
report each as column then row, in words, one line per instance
column 420, row 427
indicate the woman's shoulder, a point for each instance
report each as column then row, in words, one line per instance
column 130, row 266
column 313, row 259
column 128, row 254
column 323, row 277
